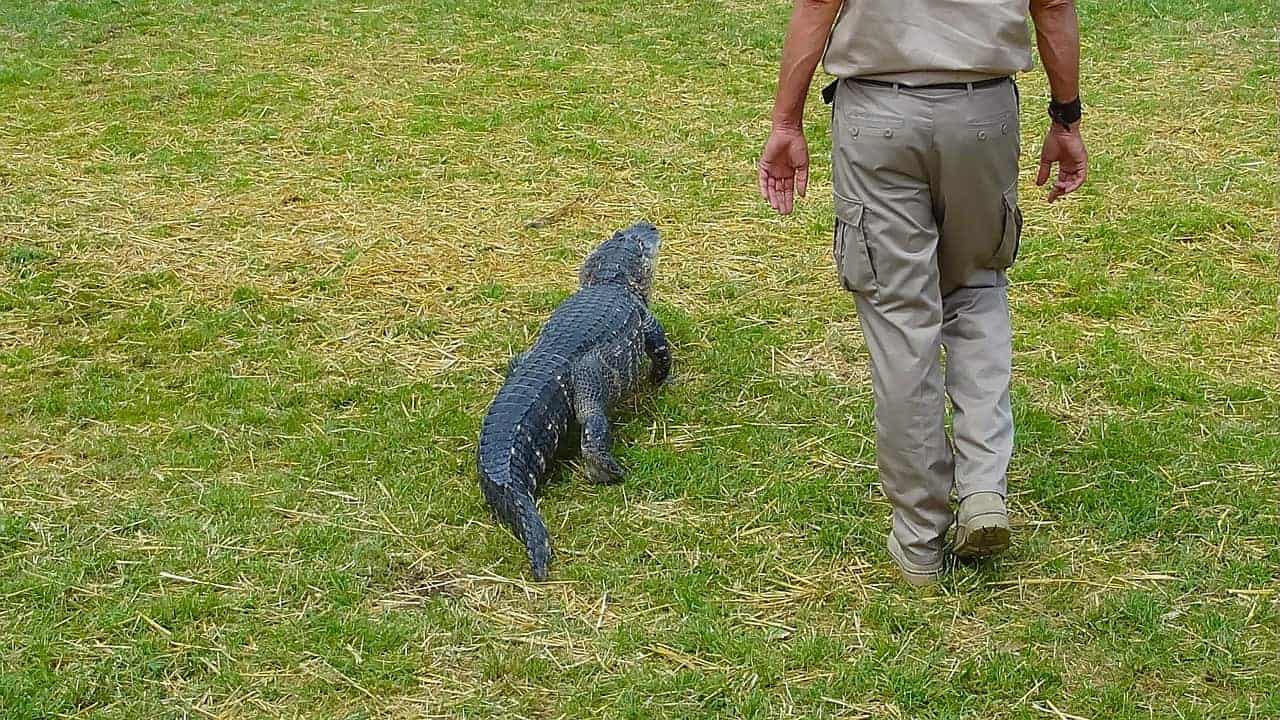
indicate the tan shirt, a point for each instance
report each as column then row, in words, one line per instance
column 918, row 42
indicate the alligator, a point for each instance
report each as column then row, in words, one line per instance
column 590, row 353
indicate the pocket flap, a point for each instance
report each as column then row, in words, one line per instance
column 1012, row 210
column 873, row 120
column 848, row 210
column 1011, row 196
column 1011, row 237
column 991, row 119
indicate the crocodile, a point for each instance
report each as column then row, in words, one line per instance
column 590, row 353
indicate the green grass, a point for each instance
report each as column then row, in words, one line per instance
column 261, row 266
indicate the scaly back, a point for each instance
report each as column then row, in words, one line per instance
column 629, row 259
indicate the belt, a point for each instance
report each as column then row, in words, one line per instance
column 829, row 92
column 990, row 82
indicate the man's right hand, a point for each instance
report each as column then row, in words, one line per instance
column 784, row 168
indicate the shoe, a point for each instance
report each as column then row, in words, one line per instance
column 914, row 573
column 982, row 526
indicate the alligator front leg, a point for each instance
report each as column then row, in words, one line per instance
column 590, row 397
column 655, row 346
column 515, row 361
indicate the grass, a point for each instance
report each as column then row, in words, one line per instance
column 261, row 265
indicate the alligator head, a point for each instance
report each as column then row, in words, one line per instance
column 628, row 259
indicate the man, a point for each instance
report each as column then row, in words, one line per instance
column 925, row 176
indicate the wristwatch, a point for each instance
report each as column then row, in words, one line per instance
column 1065, row 113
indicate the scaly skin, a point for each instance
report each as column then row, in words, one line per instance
column 590, row 353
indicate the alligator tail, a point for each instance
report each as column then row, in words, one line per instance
column 516, row 508
column 537, row 543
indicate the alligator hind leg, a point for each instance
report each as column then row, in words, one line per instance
column 590, row 398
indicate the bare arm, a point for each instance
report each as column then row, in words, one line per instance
column 784, row 165
column 1058, row 39
column 811, row 22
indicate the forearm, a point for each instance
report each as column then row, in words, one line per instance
column 811, row 22
column 1058, row 39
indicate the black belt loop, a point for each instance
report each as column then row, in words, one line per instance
column 829, row 92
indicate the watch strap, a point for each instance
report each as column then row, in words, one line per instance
column 1066, row 113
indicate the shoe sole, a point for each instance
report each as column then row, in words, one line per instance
column 984, row 537
column 920, row 580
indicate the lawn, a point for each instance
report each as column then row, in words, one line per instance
column 262, row 265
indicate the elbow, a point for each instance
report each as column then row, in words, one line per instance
column 1048, row 12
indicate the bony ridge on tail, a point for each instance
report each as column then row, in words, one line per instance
column 590, row 353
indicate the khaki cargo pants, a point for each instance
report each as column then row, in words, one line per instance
column 927, row 221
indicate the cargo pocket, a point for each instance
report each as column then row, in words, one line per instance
column 1011, row 237
column 852, row 256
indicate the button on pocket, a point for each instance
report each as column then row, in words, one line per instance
column 1011, row 237
column 852, row 256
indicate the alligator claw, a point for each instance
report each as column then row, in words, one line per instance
column 604, row 471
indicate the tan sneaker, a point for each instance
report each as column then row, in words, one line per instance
column 915, row 573
column 982, row 526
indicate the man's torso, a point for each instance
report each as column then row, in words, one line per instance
column 921, row 42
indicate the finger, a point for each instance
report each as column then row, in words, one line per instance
column 788, row 195
column 802, row 180
column 1043, row 176
column 762, row 181
column 1081, row 175
column 1058, row 190
column 1070, row 180
column 773, row 194
column 1071, row 184
column 780, row 194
